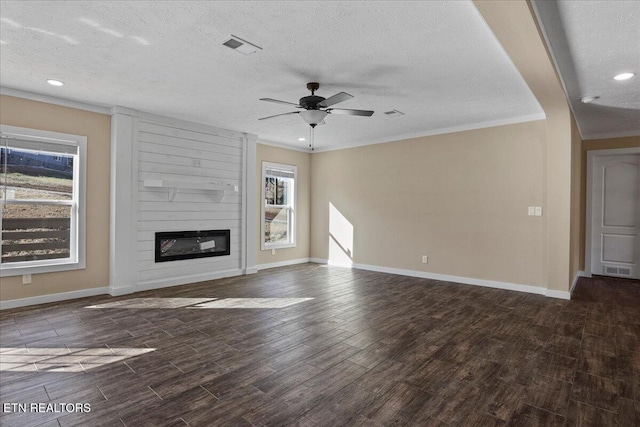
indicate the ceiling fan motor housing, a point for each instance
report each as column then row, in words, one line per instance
column 311, row 102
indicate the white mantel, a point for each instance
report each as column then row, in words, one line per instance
column 152, row 149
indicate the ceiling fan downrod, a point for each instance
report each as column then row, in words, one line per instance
column 313, row 87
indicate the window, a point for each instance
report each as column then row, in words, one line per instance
column 42, row 189
column 278, row 206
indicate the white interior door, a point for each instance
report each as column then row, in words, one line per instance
column 615, row 232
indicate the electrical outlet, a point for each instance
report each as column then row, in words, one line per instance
column 532, row 210
column 538, row 210
column 273, row 251
column 26, row 279
column 425, row 259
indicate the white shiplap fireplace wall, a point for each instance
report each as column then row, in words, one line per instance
column 145, row 147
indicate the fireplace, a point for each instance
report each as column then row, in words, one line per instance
column 178, row 245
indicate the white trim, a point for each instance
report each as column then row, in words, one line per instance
column 555, row 66
column 558, row 294
column 606, row 135
column 250, row 195
column 78, row 235
column 591, row 158
column 17, row 93
column 456, row 279
column 123, row 195
column 44, row 299
column 147, row 285
column 614, row 151
column 283, row 263
column 578, row 275
column 284, row 146
column 117, row 291
column 245, row 204
column 264, row 246
column 441, row 131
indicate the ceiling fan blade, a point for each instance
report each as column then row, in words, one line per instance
column 283, row 114
column 332, row 100
column 279, row 102
column 365, row 113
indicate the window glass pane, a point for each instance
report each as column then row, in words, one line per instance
column 276, row 225
column 269, row 190
column 35, row 174
column 282, row 192
column 35, row 232
column 277, row 190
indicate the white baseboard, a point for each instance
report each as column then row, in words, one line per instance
column 283, row 263
column 251, row 270
column 557, row 294
column 457, row 279
column 43, row 299
column 148, row 285
column 116, row 292
column 579, row 274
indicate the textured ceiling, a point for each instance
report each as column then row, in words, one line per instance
column 437, row 62
column 591, row 42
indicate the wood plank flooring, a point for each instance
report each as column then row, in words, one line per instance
column 329, row 347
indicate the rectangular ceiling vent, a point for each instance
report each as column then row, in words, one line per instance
column 239, row 45
column 393, row 113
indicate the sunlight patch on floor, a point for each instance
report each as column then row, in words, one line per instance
column 21, row 359
column 252, row 303
column 202, row 303
column 152, row 303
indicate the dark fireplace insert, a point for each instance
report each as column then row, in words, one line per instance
column 177, row 245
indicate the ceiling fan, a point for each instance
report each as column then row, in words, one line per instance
column 315, row 108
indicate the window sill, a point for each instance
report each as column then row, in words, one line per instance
column 266, row 247
column 17, row 270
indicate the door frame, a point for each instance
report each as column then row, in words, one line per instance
column 592, row 155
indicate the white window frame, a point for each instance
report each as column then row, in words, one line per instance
column 77, row 260
column 265, row 246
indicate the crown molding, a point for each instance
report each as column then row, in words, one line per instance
column 17, row 93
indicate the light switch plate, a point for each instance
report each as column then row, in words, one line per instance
column 538, row 210
column 531, row 211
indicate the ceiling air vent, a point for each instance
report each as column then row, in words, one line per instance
column 393, row 113
column 239, row 45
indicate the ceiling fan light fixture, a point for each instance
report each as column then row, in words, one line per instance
column 624, row 76
column 313, row 117
column 302, row 139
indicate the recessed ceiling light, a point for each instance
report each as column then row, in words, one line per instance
column 588, row 99
column 55, row 82
column 302, row 139
column 624, row 76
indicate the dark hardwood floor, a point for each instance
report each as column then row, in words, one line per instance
column 312, row 345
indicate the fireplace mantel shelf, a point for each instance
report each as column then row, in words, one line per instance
column 218, row 189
